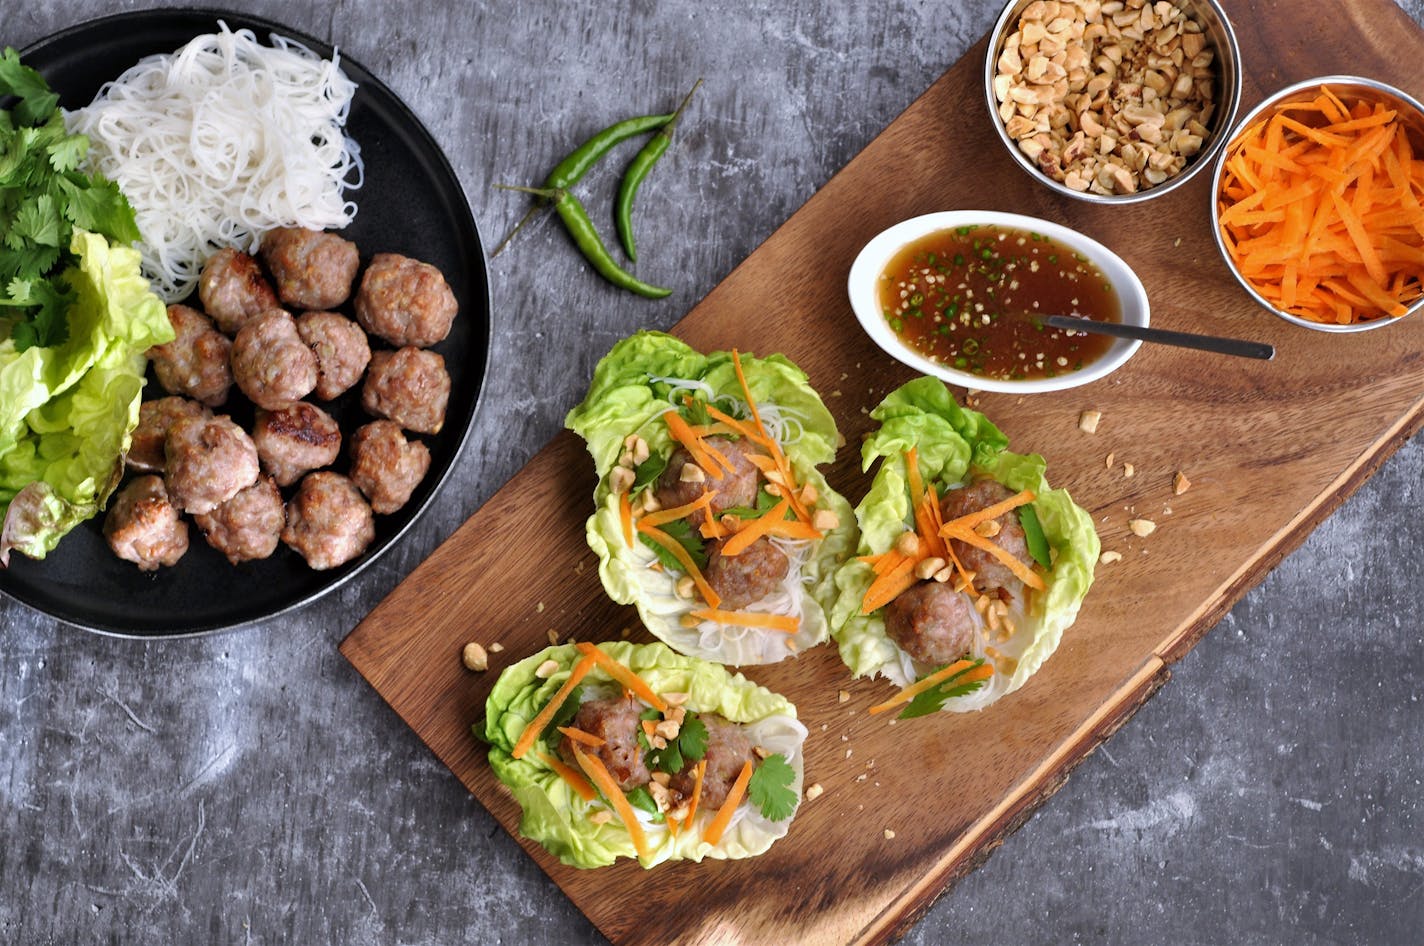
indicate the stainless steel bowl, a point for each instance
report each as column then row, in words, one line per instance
column 1349, row 88
column 1219, row 34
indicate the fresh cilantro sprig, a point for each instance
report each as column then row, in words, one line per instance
column 43, row 197
column 770, row 788
column 933, row 699
column 764, row 502
column 689, row 746
column 681, row 531
column 564, row 714
column 645, row 474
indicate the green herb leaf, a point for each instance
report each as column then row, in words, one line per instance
column 692, row 738
column 764, row 502
column 646, row 473
column 770, row 788
column 642, row 799
column 97, row 205
column 46, row 305
column 682, row 532
column 933, row 699
column 1034, row 537
column 689, row 746
column 564, row 714
column 37, row 102
column 695, row 412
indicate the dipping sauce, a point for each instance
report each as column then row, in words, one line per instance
column 973, row 298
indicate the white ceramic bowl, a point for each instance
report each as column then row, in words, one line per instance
column 865, row 273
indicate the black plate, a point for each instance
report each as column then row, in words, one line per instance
column 411, row 203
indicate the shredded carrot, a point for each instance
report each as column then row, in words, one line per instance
column 623, row 675
column 625, row 514
column 537, row 724
column 684, row 559
column 1023, row 572
column 789, row 488
column 1320, row 210
column 754, row 529
column 890, row 585
column 777, row 622
column 713, row 834
column 697, row 775
column 792, row 529
column 984, row 672
column 683, row 434
column 578, row 735
column 571, row 775
column 919, row 502
column 970, row 520
column 712, row 529
column 664, row 516
column 595, row 769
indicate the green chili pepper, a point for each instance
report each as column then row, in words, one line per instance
column 640, row 167
column 571, row 170
column 581, row 230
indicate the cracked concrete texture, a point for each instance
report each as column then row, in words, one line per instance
column 250, row 788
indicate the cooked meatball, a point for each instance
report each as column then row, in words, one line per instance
column 328, row 523
column 247, row 526
column 294, row 439
column 270, row 362
column 989, row 573
column 747, row 577
column 932, row 622
column 728, row 749
column 195, row 363
column 616, row 722
column 386, row 466
column 410, row 387
column 233, row 289
column 154, row 418
column 405, row 301
column 341, row 350
column 313, row 270
column 143, row 527
column 208, row 461
column 737, row 488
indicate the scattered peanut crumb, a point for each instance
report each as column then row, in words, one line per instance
column 825, row 520
column 553, row 637
column 539, row 608
column 848, row 753
column 1107, row 558
column 843, row 696
column 1180, row 483
column 1142, row 527
column 761, row 752
column 814, row 791
column 601, row 816
column 1109, row 461
column 861, row 777
column 474, row 657
column 547, row 669
column 889, row 835
column 496, row 647
column 1088, row 421
column 1129, row 470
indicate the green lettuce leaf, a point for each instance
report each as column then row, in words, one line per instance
column 954, row 446
column 67, row 411
column 556, row 817
column 629, row 395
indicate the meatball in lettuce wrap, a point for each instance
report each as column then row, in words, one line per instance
column 710, row 515
column 636, row 751
column 969, row 568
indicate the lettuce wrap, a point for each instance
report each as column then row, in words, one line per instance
column 955, row 446
column 642, row 379
column 587, row 833
column 67, row 411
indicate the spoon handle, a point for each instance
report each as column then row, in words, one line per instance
column 1224, row 346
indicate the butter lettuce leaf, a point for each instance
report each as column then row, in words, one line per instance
column 556, row 817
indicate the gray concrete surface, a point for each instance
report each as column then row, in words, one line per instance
column 251, row 788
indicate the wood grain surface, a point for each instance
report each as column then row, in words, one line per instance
column 1270, row 449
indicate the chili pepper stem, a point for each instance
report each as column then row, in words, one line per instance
column 533, row 211
column 548, row 193
column 682, row 106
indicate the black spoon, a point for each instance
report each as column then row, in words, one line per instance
column 1213, row 343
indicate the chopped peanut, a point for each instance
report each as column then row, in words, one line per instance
column 1088, row 421
column 474, row 657
column 692, row 473
column 546, row 669
column 1142, row 527
column 825, row 520
column 927, row 568
column 1180, row 483
column 908, row 544
column 1108, row 557
column 621, row 479
column 814, row 791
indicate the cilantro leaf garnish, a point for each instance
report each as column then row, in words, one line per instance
column 1034, row 538
column 933, row 699
column 642, row 799
column 764, row 502
column 565, row 713
column 689, row 746
column 646, row 473
column 681, row 531
column 37, row 102
column 770, row 788
column 696, row 412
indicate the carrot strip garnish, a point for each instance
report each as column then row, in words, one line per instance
column 625, row 515
column 692, row 443
column 675, row 548
column 672, row 514
column 595, row 769
column 712, row 529
column 537, row 724
column 776, row 622
column 983, row 672
column 741, row 427
column 754, row 529
column 1023, row 572
column 970, row 520
column 578, row 735
column 890, row 585
column 713, row 834
column 571, row 775
column 697, row 775
column 623, row 675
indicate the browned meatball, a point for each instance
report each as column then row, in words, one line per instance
column 410, row 387
column 313, row 270
column 405, row 301
column 154, row 418
column 932, row 622
column 616, row 722
column 386, row 466
column 341, row 350
column 328, row 523
column 208, row 460
column 728, row 749
column 747, row 577
column 989, row 573
column 143, row 527
column 737, row 488
column 195, row 363
column 270, row 362
column 294, row 439
column 247, row 526
column 233, row 289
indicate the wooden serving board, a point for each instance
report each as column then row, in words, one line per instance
column 1270, row 449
